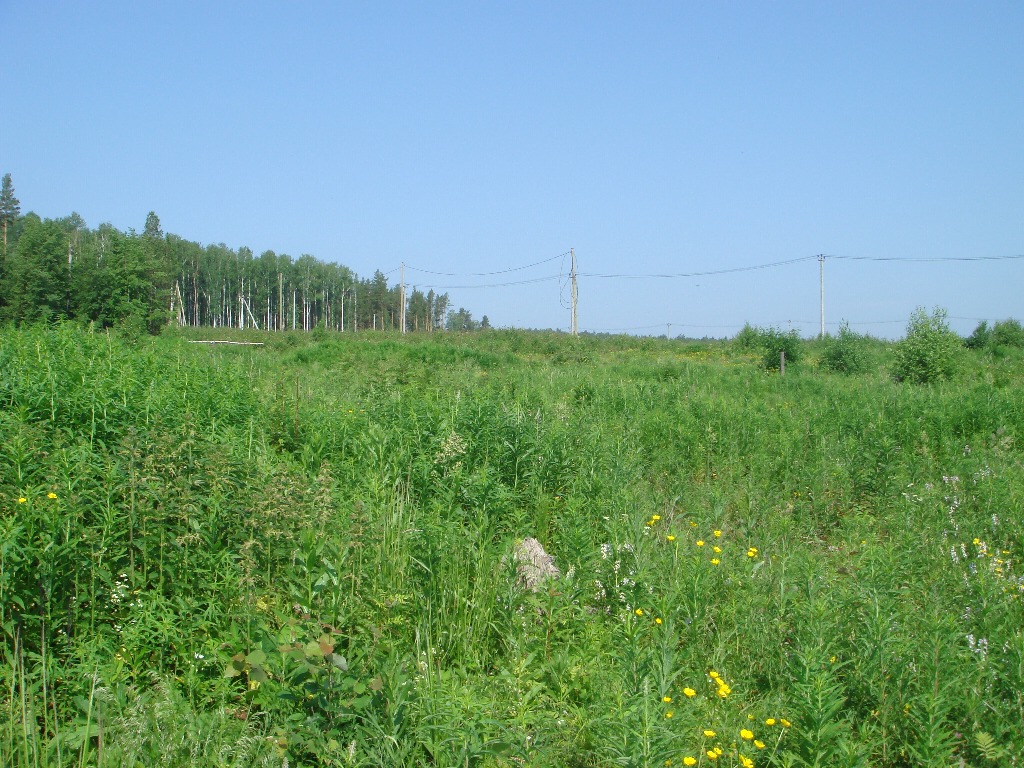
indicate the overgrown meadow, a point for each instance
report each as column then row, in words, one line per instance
column 301, row 554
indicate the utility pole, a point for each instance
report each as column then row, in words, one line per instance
column 668, row 331
column 575, row 295
column 821, row 276
column 401, row 298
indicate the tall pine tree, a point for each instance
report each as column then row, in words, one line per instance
column 10, row 206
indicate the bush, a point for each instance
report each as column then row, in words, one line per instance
column 748, row 338
column 845, row 353
column 771, row 342
column 1008, row 333
column 929, row 351
column 981, row 336
column 774, row 342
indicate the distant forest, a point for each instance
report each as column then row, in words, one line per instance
column 60, row 268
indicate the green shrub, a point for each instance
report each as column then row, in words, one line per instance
column 846, row 352
column 1008, row 333
column 748, row 338
column 774, row 342
column 770, row 342
column 981, row 337
column 929, row 350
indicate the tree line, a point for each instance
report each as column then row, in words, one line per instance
column 61, row 269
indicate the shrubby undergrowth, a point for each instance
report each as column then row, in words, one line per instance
column 301, row 553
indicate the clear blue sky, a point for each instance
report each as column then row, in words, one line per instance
column 654, row 138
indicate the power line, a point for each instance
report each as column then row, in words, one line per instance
column 931, row 259
column 695, row 274
column 488, row 274
column 494, row 285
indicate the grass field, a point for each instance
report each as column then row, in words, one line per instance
column 301, row 554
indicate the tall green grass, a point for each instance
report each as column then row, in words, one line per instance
column 302, row 552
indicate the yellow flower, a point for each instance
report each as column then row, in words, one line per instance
column 770, row 721
column 689, row 760
column 22, row 499
column 639, row 611
column 712, row 755
column 719, row 751
column 709, row 734
column 689, row 692
column 51, row 495
column 724, row 691
column 977, row 540
column 693, row 524
column 745, row 734
column 785, row 722
column 668, row 763
column 668, row 715
column 746, row 762
column 715, row 561
column 700, row 542
column 667, row 699
column 717, row 550
column 713, row 675
column 670, row 537
column 655, row 518
column 657, row 620
column 717, row 534
column 758, row 743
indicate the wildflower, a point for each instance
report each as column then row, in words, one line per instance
column 51, row 495
column 719, row 751
column 745, row 734
column 717, row 550
column 658, row 620
column 758, row 743
column 22, row 499
column 713, row 675
column 709, row 734
column 700, row 542
column 693, row 524
column 746, row 762
column 712, row 755
column 655, row 518
column 689, row 693
column 718, row 534
column 639, row 611
column 668, row 715
column 770, row 721
column 689, row 760
column 724, row 691
column 670, row 537
column 715, row 561
column 785, row 722
column 667, row 699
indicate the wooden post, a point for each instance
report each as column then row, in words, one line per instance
column 782, row 363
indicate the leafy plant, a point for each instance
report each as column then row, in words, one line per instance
column 845, row 352
column 929, row 350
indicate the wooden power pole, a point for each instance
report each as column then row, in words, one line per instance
column 821, row 278
column 575, row 295
column 401, row 298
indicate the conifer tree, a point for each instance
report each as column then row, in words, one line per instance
column 10, row 206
